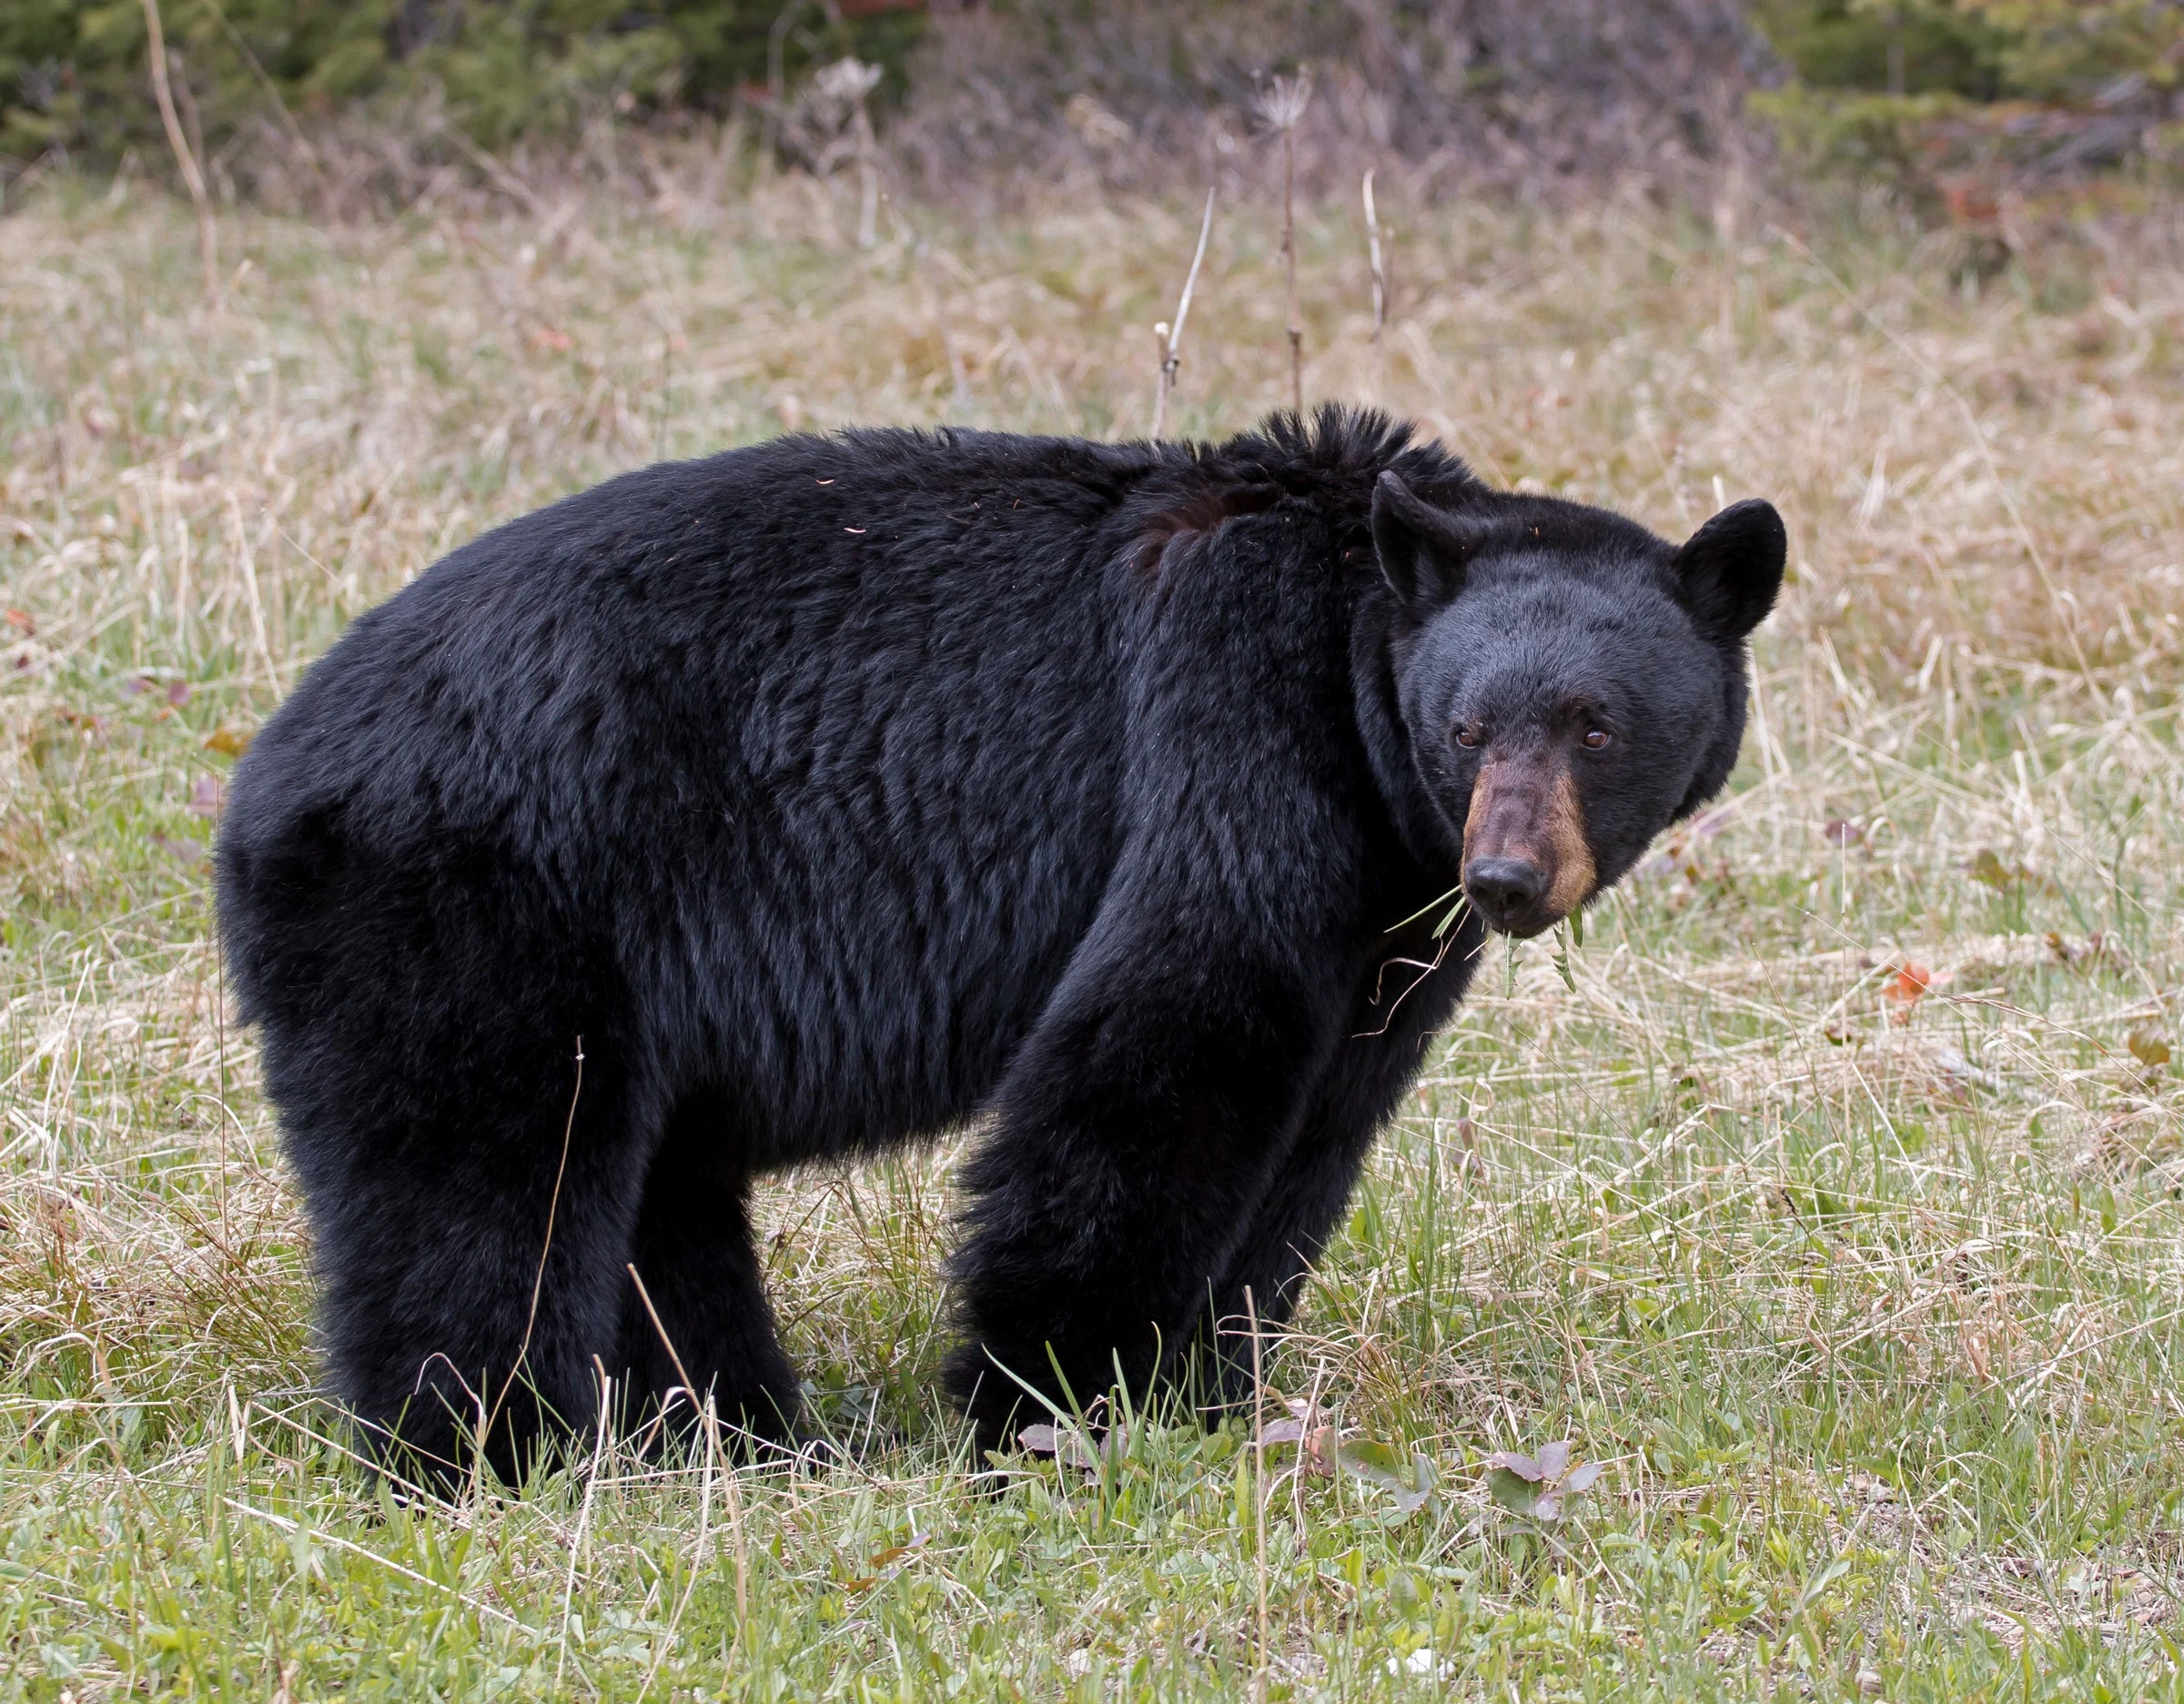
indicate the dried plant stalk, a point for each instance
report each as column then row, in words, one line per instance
column 1380, row 273
column 1288, row 255
column 868, row 179
column 1163, row 376
column 1170, row 342
column 208, row 245
column 842, row 87
column 1282, row 109
column 1258, row 1495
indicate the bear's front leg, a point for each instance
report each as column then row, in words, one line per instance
column 1138, row 1129
column 1408, row 988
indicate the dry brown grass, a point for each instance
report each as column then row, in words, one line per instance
column 1733, row 1172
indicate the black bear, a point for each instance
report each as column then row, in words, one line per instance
column 841, row 791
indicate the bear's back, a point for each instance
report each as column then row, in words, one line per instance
column 844, row 714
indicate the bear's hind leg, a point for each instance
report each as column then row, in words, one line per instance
column 472, row 1270
column 694, row 1252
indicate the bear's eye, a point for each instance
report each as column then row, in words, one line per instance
column 1595, row 737
column 1467, row 735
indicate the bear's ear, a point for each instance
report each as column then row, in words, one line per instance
column 1424, row 550
column 1728, row 571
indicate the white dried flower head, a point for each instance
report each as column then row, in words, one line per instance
column 1285, row 98
column 846, row 81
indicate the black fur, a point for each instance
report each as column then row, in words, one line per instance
column 844, row 790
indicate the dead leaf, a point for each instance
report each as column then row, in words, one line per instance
column 227, row 742
column 2148, row 1047
column 884, row 1564
column 1844, row 831
column 207, row 799
column 180, row 848
column 1907, row 988
column 20, row 620
column 556, row 341
column 1068, row 1446
column 2091, row 954
column 1302, row 1425
column 177, row 693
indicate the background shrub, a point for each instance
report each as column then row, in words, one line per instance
column 1138, row 93
column 73, row 72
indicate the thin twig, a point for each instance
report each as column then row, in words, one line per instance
column 1282, row 108
column 1259, row 1492
column 1171, row 341
column 1160, row 379
column 711, row 1417
column 584, row 1519
column 777, row 79
column 410, row 1488
column 697, row 1549
column 868, row 178
column 538, row 1280
column 735, row 1526
column 1288, row 253
column 1379, row 275
column 265, row 82
column 258, row 607
column 208, row 245
column 315, row 1537
column 499, row 173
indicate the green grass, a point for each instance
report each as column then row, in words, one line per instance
column 1870, row 1306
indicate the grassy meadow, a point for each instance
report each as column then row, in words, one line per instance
column 1830, row 1203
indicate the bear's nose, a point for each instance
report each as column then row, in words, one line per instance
column 1503, row 889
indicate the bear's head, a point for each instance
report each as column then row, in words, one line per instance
column 1569, row 683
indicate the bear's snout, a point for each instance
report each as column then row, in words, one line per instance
column 1527, row 863
column 1503, row 889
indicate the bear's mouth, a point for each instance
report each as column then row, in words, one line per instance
column 1527, row 863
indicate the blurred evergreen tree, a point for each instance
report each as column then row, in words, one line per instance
column 2050, row 50
column 2106, row 51
column 1887, row 46
column 1903, row 87
column 72, row 78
